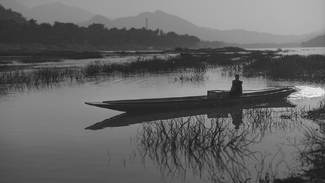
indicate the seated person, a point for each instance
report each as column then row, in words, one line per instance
column 236, row 88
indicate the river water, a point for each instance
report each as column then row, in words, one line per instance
column 43, row 135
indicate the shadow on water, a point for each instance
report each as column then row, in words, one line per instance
column 126, row 119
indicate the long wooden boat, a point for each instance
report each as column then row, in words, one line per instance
column 214, row 98
column 126, row 119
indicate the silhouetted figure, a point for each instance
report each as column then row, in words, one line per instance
column 236, row 88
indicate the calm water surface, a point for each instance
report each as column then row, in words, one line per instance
column 298, row 50
column 43, row 136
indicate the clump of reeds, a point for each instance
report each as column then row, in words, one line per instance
column 98, row 68
column 198, row 74
column 317, row 113
column 38, row 76
column 191, row 77
column 291, row 67
column 154, row 66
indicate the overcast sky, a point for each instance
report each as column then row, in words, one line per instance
column 271, row 16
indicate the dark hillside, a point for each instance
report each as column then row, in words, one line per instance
column 8, row 14
column 318, row 41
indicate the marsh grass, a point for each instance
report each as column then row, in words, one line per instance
column 302, row 68
column 289, row 67
column 250, row 64
column 317, row 113
column 98, row 69
column 38, row 76
column 197, row 75
column 191, row 77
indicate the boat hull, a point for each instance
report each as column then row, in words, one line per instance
column 194, row 102
column 126, row 119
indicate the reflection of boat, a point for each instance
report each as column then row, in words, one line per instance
column 126, row 119
column 215, row 98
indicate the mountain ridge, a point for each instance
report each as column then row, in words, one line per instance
column 51, row 12
column 14, row 5
column 98, row 19
column 172, row 23
column 158, row 19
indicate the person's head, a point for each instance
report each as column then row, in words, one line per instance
column 237, row 76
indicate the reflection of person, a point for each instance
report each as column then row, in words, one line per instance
column 237, row 118
column 236, row 88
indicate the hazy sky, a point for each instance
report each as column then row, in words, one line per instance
column 272, row 16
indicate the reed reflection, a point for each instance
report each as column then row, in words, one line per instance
column 310, row 146
column 312, row 156
column 195, row 143
column 214, row 145
column 267, row 121
column 209, row 148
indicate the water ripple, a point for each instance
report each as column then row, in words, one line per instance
column 308, row 92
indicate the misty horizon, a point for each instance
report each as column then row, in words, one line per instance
column 282, row 18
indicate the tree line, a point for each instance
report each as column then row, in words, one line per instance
column 97, row 35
